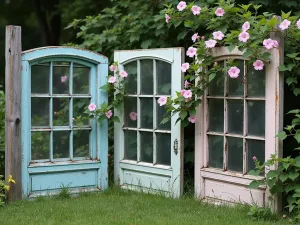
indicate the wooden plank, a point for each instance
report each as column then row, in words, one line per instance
column 13, row 154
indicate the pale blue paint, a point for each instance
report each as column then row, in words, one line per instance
column 42, row 176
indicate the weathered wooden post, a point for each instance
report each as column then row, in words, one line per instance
column 13, row 153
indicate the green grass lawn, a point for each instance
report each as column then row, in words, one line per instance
column 128, row 208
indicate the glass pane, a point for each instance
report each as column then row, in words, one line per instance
column 215, row 148
column 216, row 86
column 235, row 154
column 146, row 113
column 146, row 76
column 131, row 80
column 61, row 140
column 60, row 112
column 163, row 77
column 255, row 148
column 79, row 106
column 216, row 115
column 235, row 116
column 130, row 148
column 40, row 78
column 256, row 118
column 163, row 149
column 81, row 79
column 130, row 112
column 39, row 112
column 146, row 147
column 81, row 140
column 40, row 142
column 236, row 86
column 256, row 82
column 160, row 112
column 61, row 74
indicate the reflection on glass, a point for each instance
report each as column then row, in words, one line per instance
column 163, row 77
column 131, row 80
column 40, row 142
column 130, row 148
column 235, row 154
column 60, row 112
column 61, row 75
column 81, row 139
column 235, row 116
column 61, row 140
column 40, row 78
column 256, row 118
column 160, row 112
column 216, row 115
column 215, row 148
column 81, row 79
column 146, row 147
column 39, row 112
column 255, row 148
column 79, row 106
column 130, row 112
column 236, row 86
column 216, row 86
column 256, row 82
column 163, row 149
column 146, row 113
column 146, row 76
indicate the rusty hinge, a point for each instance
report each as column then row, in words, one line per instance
column 175, row 146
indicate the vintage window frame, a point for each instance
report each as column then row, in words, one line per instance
column 273, row 125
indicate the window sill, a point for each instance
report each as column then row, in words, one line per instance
column 62, row 163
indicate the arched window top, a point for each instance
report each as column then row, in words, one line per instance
column 46, row 53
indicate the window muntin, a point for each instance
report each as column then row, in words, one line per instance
column 60, row 91
column 145, row 139
column 236, row 120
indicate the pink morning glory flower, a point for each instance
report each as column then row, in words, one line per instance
column 218, row 35
column 181, row 6
column 285, row 24
column 63, row 79
column 246, row 26
column 133, row 116
column 275, row 43
column 162, row 100
column 196, row 10
column 210, row 43
column 108, row 114
column 298, row 24
column 92, row 107
column 112, row 80
column 234, row 72
column 258, row 65
column 268, row 43
column 195, row 37
column 113, row 68
column 220, row 12
column 186, row 84
column 192, row 119
column 244, row 36
column 167, row 17
column 254, row 158
column 185, row 67
column 186, row 93
column 191, row 52
column 123, row 73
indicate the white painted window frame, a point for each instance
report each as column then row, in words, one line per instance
column 273, row 125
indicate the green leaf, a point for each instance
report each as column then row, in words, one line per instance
column 297, row 136
column 254, row 172
column 231, row 47
column 296, row 91
column 293, row 175
column 294, row 111
column 291, row 80
column 254, row 184
column 292, row 55
column 281, row 135
column 287, row 67
column 283, row 177
column 192, row 112
column 248, row 53
column 272, row 174
column 116, row 119
column 165, row 120
column 211, row 76
column 183, row 114
column 181, row 35
column 146, row 43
